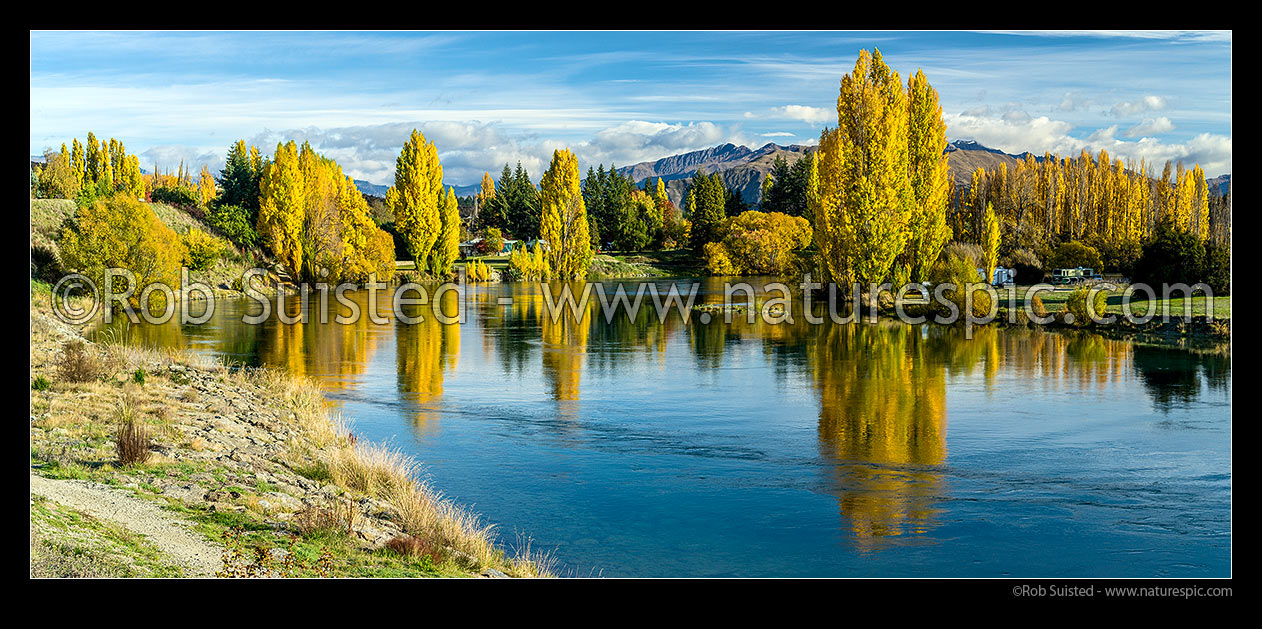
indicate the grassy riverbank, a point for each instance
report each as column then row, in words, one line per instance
column 252, row 459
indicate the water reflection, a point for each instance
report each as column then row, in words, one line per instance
column 883, row 421
column 881, row 428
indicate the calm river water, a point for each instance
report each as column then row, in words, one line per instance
column 647, row 448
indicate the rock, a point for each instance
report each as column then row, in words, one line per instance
column 494, row 574
column 188, row 494
column 281, row 502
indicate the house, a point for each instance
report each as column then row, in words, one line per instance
column 470, row 248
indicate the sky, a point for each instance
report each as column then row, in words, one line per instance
column 490, row 98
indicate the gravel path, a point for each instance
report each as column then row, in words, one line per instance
column 171, row 535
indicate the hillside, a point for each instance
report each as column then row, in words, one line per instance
column 1220, row 185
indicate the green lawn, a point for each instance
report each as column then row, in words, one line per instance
column 1055, row 300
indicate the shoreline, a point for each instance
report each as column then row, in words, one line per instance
column 251, row 459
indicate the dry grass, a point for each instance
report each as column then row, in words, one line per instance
column 132, row 439
column 78, row 363
column 373, row 470
column 413, row 546
column 338, row 517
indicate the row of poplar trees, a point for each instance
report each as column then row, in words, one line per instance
column 878, row 183
column 95, row 168
column 1089, row 198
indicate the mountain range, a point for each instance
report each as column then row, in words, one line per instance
column 744, row 169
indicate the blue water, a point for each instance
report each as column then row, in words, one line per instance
column 640, row 448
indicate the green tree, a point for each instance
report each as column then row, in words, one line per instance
column 706, row 208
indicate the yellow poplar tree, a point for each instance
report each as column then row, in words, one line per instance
column 447, row 248
column 282, row 200
column 1200, row 205
column 990, row 242
column 206, row 186
column 487, row 191
column 563, row 223
column 76, row 161
column 418, row 190
column 865, row 189
column 930, row 179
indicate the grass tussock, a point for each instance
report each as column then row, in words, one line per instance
column 416, row 548
column 422, row 512
column 132, row 440
column 336, row 518
column 78, row 363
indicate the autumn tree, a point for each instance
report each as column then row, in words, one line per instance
column 205, row 186
column 930, row 178
column 563, row 221
column 990, row 241
column 282, row 207
column 447, row 247
column 416, row 196
column 865, row 194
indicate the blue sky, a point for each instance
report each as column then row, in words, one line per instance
column 486, row 98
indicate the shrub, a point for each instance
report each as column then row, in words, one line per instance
column 1077, row 305
column 41, row 384
column 530, row 265
column 235, row 223
column 757, row 243
column 1074, row 254
column 201, row 250
column 337, row 518
column 182, row 196
column 477, row 271
column 121, row 232
column 716, row 260
column 77, row 363
column 138, row 376
column 1036, row 305
column 957, row 269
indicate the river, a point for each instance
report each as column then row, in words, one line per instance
column 639, row 447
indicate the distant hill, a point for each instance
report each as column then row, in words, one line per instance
column 744, row 168
column 378, row 190
column 1220, row 185
column 967, row 156
column 370, row 189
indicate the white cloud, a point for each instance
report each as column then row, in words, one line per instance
column 469, row 148
column 777, row 134
column 168, row 158
column 1073, row 102
column 807, row 114
column 1125, row 109
column 1150, row 126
